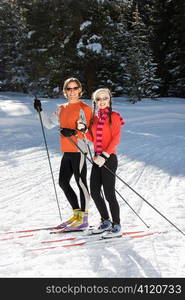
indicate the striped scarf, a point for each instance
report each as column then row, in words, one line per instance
column 102, row 115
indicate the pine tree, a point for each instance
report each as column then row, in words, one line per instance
column 101, row 47
column 45, row 41
column 42, row 45
column 94, row 46
column 175, row 58
column 12, row 70
column 140, row 79
column 54, row 31
column 161, row 12
column 120, row 43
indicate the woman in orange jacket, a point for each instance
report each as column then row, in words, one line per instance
column 104, row 132
column 73, row 161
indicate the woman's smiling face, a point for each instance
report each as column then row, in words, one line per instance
column 103, row 100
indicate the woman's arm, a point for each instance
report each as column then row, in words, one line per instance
column 117, row 122
column 50, row 121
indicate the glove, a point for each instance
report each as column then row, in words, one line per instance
column 37, row 105
column 67, row 132
column 101, row 159
column 81, row 126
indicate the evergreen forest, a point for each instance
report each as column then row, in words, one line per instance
column 134, row 47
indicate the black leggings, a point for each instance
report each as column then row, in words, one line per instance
column 103, row 177
column 74, row 163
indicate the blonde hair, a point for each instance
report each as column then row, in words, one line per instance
column 72, row 79
column 101, row 90
column 93, row 97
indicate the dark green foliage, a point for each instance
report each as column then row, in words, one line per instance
column 132, row 47
column 141, row 80
column 12, row 63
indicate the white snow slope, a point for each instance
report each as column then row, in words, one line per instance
column 151, row 160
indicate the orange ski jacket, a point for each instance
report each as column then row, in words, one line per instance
column 69, row 114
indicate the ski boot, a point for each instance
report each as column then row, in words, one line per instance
column 80, row 224
column 114, row 232
column 71, row 220
column 105, row 225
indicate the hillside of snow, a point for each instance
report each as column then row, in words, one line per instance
column 151, row 160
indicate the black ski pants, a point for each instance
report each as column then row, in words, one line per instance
column 101, row 177
column 74, row 163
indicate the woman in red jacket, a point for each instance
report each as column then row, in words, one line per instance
column 105, row 134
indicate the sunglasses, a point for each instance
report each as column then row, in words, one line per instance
column 103, row 99
column 73, row 88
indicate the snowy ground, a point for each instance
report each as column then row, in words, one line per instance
column 151, row 160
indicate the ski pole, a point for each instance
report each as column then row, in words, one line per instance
column 134, row 191
column 83, row 118
column 91, row 161
column 132, row 209
column 90, row 153
column 51, row 171
column 144, row 199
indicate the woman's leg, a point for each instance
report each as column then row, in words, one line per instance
column 78, row 162
column 66, row 172
column 108, row 180
column 95, row 187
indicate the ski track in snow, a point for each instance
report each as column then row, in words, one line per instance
column 151, row 160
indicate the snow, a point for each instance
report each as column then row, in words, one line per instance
column 151, row 160
column 95, row 47
column 30, row 34
column 85, row 24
